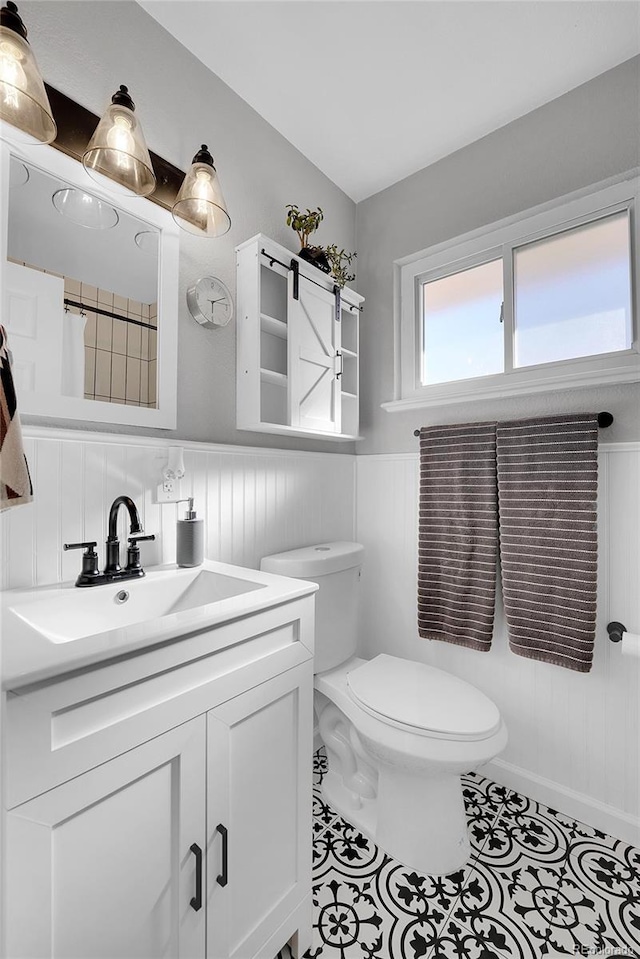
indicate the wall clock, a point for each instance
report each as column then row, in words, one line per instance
column 210, row 303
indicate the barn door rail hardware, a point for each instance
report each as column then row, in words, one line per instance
column 294, row 265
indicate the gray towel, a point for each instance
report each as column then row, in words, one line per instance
column 458, row 537
column 547, row 483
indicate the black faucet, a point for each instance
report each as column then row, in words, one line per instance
column 113, row 571
column 112, row 564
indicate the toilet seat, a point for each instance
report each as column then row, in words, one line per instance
column 422, row 699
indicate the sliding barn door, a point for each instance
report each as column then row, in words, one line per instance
column 314, row 390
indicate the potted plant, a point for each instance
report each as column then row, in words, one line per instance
column 304, row 225
column 340, row 261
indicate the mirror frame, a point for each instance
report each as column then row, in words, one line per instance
column 32, row 404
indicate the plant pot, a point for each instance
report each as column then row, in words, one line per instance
column 316, row 256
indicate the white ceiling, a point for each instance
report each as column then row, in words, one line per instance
column 373, row 90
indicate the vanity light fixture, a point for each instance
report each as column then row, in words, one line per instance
column 84, row 209
column 25, row 112
column 117, row 150
column 199, row 207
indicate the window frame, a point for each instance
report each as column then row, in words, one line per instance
column 499, row 240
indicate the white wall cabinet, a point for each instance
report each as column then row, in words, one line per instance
column 298, row 346
column 215, row 806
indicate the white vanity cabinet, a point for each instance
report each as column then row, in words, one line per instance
column 160, row 806
column 100, row 866
column 298, row 346
column 259, row 791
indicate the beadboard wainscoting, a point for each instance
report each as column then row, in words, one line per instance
column 573, row 737
column 254, row 501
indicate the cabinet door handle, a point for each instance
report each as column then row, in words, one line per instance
column 223, row 877
column 196, row 901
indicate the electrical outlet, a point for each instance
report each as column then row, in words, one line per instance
column 168, row 491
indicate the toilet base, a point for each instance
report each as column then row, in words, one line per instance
column 419, row 822
column 422, row 822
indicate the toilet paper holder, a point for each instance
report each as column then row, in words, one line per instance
column 616, row 631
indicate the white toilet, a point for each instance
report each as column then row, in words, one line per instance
column 398, row 734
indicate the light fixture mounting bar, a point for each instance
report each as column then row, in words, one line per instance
column 76, row 125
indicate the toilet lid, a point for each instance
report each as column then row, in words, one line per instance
column 424, row 698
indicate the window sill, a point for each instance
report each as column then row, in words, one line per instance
column 520, row 383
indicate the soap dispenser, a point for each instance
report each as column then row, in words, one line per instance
column 190, row 538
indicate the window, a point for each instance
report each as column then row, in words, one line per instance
column 573, row 293
column 542, row 301
column 461, row 329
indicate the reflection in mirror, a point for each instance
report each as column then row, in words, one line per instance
column 82, row 279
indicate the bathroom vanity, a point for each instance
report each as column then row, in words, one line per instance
column 157, row 780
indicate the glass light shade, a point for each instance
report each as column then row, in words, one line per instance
column 18, row 173
column 148, row 241
column 117, row 150
column 84, row 209
column 25, row 111
column 199, row 207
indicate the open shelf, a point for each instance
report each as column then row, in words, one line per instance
column 273, row 352
column 349, row 413
column 273, row 403
column 273, row 293
column 350, row 332
column 350, row 374
column 269, row 324
column 271, row 376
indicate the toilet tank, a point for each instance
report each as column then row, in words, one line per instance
column 335, row 567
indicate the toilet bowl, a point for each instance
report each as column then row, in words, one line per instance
column 398, row 734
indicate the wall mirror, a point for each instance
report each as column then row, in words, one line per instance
column 89, row 295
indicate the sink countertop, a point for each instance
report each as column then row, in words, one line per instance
column 29, row 656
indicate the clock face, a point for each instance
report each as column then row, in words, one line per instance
column 210, row 303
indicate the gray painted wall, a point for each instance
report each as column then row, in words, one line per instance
column 585, row 136
column 87, row 50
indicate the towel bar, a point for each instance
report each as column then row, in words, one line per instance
column 616, row 631
column 604, row 419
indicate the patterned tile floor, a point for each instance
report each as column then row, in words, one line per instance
column 538, row 885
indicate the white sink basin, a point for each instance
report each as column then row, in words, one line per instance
column 49, row 630
column 63, row 616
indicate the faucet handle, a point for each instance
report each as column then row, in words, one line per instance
column 133, row 552
column 90, row 570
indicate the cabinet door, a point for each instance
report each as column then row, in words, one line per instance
column 259, row 791
column 101, row 867
column 314, row 342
